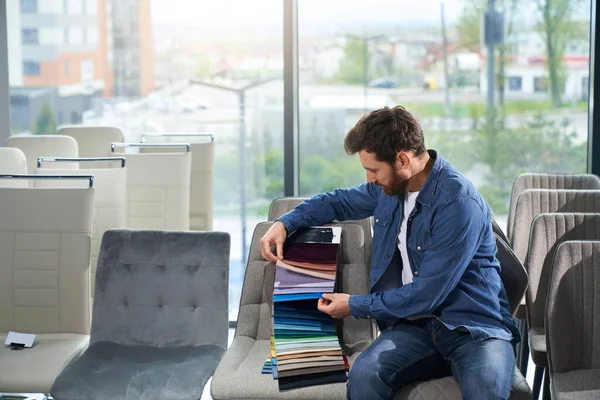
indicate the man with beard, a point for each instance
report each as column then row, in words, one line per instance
column 436, row 292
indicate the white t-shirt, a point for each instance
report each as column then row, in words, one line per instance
column 409, row 205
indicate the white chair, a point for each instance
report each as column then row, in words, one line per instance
column 202, row 147
column 34, row 146
column 158, row 187
column 110, row 200
column 12, row 162
column 93, row 141
column 44, row 281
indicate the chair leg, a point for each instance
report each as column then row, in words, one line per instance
column 524, row 356
column 537, row 382
column 546, row 395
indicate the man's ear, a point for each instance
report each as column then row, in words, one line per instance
column 402, row 160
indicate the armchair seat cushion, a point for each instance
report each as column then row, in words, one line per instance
column 448, row 389
column 34, row 369
column 109, row 370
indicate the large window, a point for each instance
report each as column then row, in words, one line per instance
column 31, row 68
column 29, row 6
column 181, row 66
column 430, row 57
column 30, row 36
column 191, row 66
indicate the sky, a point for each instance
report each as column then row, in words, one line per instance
column 322, row 13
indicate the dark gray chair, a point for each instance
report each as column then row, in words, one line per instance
column 546, row 181
column 573, row 322
column 514, row 278
column 159, row 323
column 533, row 202
column 547, row 232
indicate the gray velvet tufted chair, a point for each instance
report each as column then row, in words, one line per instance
column 159, row 323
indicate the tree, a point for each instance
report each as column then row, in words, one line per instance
column 45, row 123
column 468, row 26
column 353, row 63
column 544, row 144
column 557, row 29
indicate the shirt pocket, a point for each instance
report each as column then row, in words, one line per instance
column 381, row 219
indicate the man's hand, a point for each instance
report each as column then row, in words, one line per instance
column 275, row 236
column 335, row 304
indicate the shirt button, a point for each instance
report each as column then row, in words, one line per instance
column 416, row 273
column 377, row 220
column 419, row 248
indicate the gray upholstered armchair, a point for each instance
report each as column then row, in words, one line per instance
column 572, row 321
column 159, row 323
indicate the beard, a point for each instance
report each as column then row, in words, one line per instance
column 396, row 186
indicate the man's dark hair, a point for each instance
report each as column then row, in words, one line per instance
column 385, row 132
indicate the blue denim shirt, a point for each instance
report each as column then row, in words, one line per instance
column 450, row 244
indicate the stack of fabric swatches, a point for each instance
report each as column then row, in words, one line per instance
column 305, row 349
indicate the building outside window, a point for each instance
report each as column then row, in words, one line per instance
column 515, row 83
column 540, row 84
column 31, row 68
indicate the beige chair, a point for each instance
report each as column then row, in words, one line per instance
column 110, row 200
column 533, row 202
column 44, row 282
column 573, row 321
column 547, row 232
column 93, row 141
column 546, row 181
column 12, row 162
column 238, row 375
column 158, row 187
column 34, row 146
column 202, row 147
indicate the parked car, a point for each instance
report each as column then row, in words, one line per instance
column 384, row 83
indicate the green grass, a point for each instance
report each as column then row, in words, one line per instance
column 511, row 107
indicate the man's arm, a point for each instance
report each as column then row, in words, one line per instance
column 456, row 234
column 341, row 204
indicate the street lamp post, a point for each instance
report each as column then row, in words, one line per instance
column 365, row 40
column 241, row 93
column 445, row 52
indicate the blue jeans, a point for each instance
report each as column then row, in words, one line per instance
column 426, row 349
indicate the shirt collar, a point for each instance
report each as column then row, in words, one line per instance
column 427, row 192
